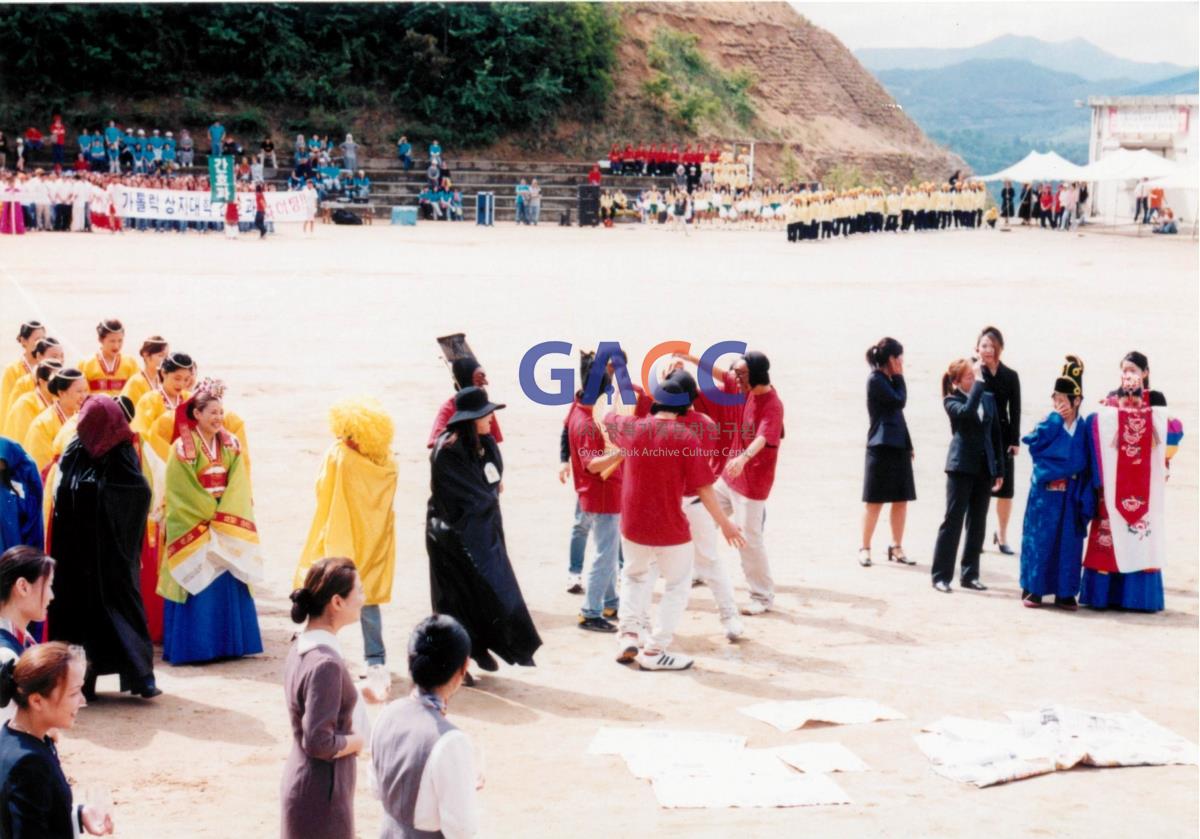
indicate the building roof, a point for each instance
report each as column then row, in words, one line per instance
column 1188, row 99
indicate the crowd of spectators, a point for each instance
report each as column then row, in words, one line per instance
column 84, row 201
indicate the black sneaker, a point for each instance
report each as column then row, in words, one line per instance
column 596, row 624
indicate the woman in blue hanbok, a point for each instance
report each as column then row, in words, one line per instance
column 20, row 498
column 1060, row 503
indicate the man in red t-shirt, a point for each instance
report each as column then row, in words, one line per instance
column 754, row 430
column 707, row 566
column 597, row 472
column 663, row 462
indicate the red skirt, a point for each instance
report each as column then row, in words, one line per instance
column 149, row 582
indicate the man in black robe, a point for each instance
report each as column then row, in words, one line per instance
column 471, row 578
column 99, row 521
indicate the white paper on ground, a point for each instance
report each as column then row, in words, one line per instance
column 820, row 757
column 1052, row 738
column 789, row 715
column 735, row 790
column 719, row 760
column 625, row 741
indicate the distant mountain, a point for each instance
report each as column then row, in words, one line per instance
column 992, row 112
column 1175, row 86
column 1077, row 56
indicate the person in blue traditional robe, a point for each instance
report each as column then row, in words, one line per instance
column 20, row 498
column 1060, row 504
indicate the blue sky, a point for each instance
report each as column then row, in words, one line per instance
column 1140, row 31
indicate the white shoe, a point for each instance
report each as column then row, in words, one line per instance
column 755, row 607
column 574, row 584
column 663, row 661
column 733, row 627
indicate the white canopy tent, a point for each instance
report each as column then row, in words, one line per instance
column 1037, row 166
column 1128, row 165
column 1181, row 178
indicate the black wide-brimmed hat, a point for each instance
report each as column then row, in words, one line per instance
column 471, row 403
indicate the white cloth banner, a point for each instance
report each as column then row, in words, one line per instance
column 1051, row 739
column 181, row 205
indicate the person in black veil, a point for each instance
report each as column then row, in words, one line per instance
column 100, row 513
column 471, row 578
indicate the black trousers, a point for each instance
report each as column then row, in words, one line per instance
column 967, row 498
column 260, row 223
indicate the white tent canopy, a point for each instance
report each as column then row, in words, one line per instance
column 1127, row 165
column 1183, row 178
column 1037, row 166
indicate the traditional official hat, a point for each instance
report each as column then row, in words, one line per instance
column 471, row 403
column 1070, row 381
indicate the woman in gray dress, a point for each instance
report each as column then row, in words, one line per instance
column 317, row 792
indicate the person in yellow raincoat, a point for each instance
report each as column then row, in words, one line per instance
column 354, row 516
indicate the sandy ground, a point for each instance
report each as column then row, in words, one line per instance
column 296, row 322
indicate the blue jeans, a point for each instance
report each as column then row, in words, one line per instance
column 601, row 585
column 372, row 631
column 579, row 534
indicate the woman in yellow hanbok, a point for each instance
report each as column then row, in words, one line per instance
column 354, row 516
column 25, row 410
column 69, row 391
column 160, row 413
column 28, row 335
column 46, row 349
column 108, row 371
column 154, row 350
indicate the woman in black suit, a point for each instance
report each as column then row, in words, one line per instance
column 1007, row 193
column 1004, row 385
column 974, row 469
column 889, row 472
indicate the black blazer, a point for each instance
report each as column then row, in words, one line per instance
column 975, row 442
column 885, row 406
column 1005, row 386
column 35, row 799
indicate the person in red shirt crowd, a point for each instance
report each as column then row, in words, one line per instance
column 33, row 138
column 597, row 475
column 663, row 462
column 714, row 156
column 594, row 176
column 641, row 158
column 58, row 134
column 615, row 159
column 674, row 159
column 652, row 159
column 467, row 372
column 628, row 160
column 707, row 566
column 757, row 430
column 260, row 212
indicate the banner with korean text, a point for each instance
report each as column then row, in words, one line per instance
column 180, row 205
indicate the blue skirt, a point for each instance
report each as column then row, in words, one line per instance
column 219, row 622
column 1140, row 591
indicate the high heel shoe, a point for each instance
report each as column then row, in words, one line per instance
column 896, row 554
column 864, row 557
column 1002, row 546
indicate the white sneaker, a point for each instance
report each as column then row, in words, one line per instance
column 574, row 584
column 733, row 627
column 755, row 607
column 663, row 661
column 628, row 648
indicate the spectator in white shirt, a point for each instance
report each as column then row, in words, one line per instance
column 424, row 768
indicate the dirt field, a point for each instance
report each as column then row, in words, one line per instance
column 295, row 322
